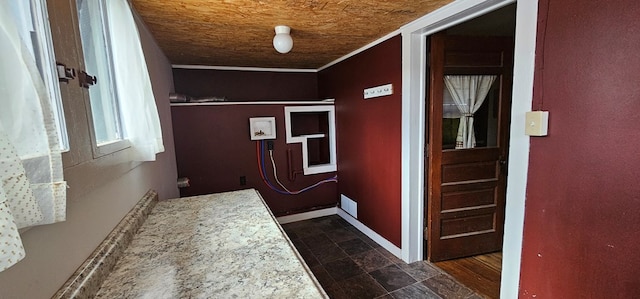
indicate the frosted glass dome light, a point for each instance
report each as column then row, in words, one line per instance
column 283, row 42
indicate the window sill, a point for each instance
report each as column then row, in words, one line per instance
column 108, row 148
column 86, row 177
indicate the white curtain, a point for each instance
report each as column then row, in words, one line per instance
column 468, row 93
column 32, row 189
column 137, row 103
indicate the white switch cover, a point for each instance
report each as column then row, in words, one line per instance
column 537, row 123
column 378, row 91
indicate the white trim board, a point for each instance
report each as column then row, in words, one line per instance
column 414, row 49
column 413, row 126
column 370, row 233
column 260, row 69
column 360, row 50
column 415, row 24
column 357, row 224
column 524, row 65
column 323, row 102
column 307, row 215
column 241, row 68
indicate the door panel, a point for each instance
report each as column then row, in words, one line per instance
column 480, row 194
column 466, row 187
column 471, row 224
column 481, row 170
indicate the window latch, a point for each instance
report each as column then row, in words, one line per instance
column 86, row 80
column 65, row 73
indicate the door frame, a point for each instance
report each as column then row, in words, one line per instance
column 413, row 126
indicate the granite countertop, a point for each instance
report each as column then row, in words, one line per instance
column 225, row 245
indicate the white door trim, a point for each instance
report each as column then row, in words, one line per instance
column 413, row 126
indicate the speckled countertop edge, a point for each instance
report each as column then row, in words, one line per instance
column 298, row 256
column 86, row 281
column 225, row 245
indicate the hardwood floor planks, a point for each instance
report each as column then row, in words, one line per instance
column 480, row 273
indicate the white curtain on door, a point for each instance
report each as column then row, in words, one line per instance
column 468, row 93
column 32, row 190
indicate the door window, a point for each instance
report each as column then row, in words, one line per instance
column 483, row 122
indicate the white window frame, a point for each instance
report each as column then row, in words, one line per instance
column 121, row 143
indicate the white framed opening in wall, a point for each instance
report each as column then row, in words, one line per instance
column 313, row 127
column 413, row 124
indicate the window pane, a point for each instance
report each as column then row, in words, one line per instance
column 485, row 120
column 95, row 47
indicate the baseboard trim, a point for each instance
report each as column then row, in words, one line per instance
column 371, row 234
column 307, row 215
column 344, row 215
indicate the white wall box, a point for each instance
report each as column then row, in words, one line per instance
column 314, row 128
column 262, row 128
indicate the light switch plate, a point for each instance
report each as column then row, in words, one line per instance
column 537, row 123
column 378, row 91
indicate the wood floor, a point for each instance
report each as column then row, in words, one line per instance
column 480, row 273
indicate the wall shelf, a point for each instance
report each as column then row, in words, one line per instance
column 320, row 102
column 314, row 128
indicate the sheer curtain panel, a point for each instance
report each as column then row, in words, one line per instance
column 137, row 103
column 32, row 189
column 468, row 93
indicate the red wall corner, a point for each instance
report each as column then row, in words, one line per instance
column 369, row 134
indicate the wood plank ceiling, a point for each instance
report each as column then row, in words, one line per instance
column 240, row 32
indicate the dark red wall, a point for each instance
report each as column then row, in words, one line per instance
column 246, row 85
column 582, row 219
column 213, row 146
column 369, row 134
column 213, row 149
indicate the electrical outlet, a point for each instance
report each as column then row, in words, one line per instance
column 378, row 91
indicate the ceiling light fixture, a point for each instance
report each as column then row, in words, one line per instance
column 282, row 42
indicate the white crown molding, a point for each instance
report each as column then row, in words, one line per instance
column 320, row 102
column 259, row 69
column 241, row 68
column 358, row 51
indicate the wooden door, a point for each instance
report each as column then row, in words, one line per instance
column 466, row 187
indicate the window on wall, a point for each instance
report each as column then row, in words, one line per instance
column 123, row 110
column 31, row 18
column 96, row 47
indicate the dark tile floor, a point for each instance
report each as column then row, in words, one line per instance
column 348, row 264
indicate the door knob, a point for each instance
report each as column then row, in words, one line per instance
column 503, row 166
